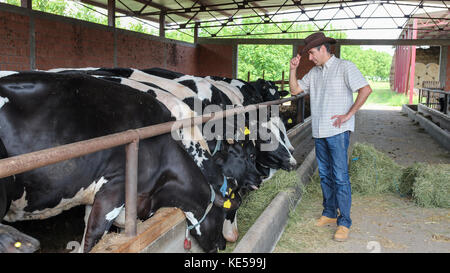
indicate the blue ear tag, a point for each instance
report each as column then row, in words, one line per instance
column 224, row 187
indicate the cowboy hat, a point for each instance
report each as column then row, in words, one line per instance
column 316, row 39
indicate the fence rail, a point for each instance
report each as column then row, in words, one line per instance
column 432, row 100
column 26, row 162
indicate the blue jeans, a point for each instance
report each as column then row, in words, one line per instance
column 332, row 160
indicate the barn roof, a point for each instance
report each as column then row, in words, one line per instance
column 214, row 15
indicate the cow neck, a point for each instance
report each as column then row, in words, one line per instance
column 208, row 208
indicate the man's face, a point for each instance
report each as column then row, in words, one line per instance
column 317, row 56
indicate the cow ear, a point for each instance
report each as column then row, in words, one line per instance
column 283, row 93
column 219, row 159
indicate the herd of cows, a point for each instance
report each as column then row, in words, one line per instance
column 203, row 176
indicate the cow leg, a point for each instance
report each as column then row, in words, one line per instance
column 87, row 213
column 107, row 205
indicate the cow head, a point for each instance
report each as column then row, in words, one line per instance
column 211, row 238
column 268, row 90
column 238, row 162
column 277, row 155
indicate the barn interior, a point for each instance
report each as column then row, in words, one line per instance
column 36, row 40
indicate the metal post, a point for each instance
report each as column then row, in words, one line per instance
column 28, row 4
column 300, row 110
column 413, row 64
column 131, row 188
column 428, row 98
column 196, row 33
column 420, row 96
column 112, row 13
column 446, row 104
column 162, row 24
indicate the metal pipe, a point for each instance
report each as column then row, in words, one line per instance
column 131, row 184
column 26, row 162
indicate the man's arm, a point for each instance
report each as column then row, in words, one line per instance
column 363, row 94
column 294, row 87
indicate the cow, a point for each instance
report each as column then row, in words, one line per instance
column 246, row 175
column 42, row 110
column 268, row 90
column 267, row 160
column 12, row 240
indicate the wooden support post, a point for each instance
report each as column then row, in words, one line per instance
column 248, row 76
column 282, row 80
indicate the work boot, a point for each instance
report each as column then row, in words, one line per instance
column 341, row 234
column 323, row 220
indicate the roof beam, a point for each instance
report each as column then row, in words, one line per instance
column 205, row 3
column 417, row 42
column 126, row 12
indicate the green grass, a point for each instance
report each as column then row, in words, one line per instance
column 382, row 94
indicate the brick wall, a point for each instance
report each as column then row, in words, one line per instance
column 14, row 41
column 72, row 45
column 36, row 40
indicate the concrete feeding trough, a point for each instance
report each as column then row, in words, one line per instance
column 429, row 119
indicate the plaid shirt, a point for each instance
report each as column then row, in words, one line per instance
column 330, row 88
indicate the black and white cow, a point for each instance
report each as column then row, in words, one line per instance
column 245, row 175
column 268, row 90
column 41, row 110
column 12, row 240
column 238, row 171
column 268, row 161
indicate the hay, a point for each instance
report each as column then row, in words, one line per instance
column 408, row 177
column 372, row 172
column 255, row 202
column 420, row 69
column 433, row 70
column 431, row 187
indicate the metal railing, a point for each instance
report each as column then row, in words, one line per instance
column 429, row 94
column 26, row 162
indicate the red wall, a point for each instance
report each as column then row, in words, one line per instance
column 71, row 45
column 64, row 42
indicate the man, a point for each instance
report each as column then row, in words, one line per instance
column 330, row 85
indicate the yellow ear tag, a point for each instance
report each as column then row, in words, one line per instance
column 18, row 244
column 290, row 121
column 247, row 131
column 232, row 196
column 227, row 204
column 229, row 191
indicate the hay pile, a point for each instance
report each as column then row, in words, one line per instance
column 428, row 185
column 372, row 172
